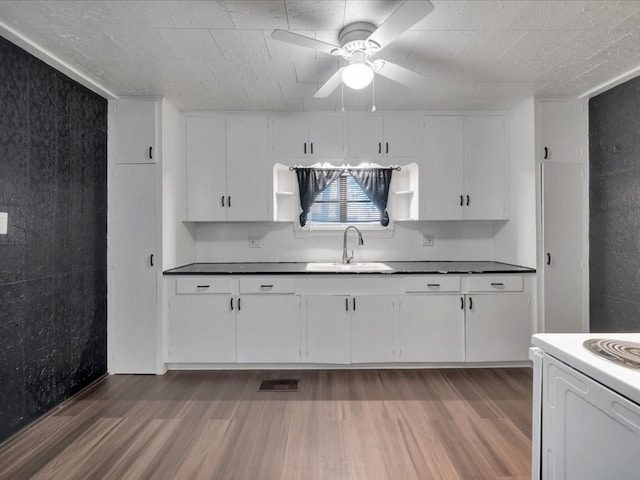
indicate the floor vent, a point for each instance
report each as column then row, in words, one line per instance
column 279, row 385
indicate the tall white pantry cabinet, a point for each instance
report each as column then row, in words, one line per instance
column 134, row 232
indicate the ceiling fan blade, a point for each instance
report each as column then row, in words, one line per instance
column 405, row 17
column 330, row 85
column 399, row 74
column 302, row 41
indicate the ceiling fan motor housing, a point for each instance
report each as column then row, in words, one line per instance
column 354, row 36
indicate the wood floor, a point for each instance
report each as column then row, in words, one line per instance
column 367, row 424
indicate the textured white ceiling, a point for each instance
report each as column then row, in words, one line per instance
column 218, row 55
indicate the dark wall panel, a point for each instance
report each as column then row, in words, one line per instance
column 53, row 184
column 614, row 226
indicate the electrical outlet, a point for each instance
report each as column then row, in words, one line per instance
column 4, row 220
column 254, row 242
column 427, row 240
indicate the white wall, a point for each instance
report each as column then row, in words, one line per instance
column 178, row 246
column 225, row 242
column 515, row 241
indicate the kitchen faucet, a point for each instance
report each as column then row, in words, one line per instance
column 346, row 258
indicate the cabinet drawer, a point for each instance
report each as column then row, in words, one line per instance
column 436, row 283
column 205, row 285
column 267, row 285
column 496, row 284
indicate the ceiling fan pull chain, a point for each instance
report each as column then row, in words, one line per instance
column 373, row 84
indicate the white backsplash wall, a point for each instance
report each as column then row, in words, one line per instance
column 229, row 242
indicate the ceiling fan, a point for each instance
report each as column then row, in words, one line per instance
column 359, row 43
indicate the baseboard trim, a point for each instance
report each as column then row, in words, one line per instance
column 81, row 393
column 331, row 366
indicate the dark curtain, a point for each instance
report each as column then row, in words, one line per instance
column 375, row 184
column 311, row 182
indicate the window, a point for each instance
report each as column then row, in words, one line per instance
column 343, row 201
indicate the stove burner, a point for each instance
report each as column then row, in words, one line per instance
column 623, row 353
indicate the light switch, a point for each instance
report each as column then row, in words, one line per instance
column 4, row 220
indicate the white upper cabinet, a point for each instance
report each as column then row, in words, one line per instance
column 462, row 172
column 228, row 168
column 377, row 136
column 314, row 137
column 248, row 168
column 564, row 131
column 484, row 167
column 441, row 169
column 205, row 139
column 135, row 128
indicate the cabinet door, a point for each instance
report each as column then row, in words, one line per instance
column 365, row 137
column 401, row 135
column 248, row 169
column 268, row 329
column 328, row 329
column 133, row 234
column 431, row 328
column 484, row 167
column 564, row 131
column 441, row 169
column 372, row 329
column 326, row 137
column 588, row 431
column 290, row 136
column 562, row 219
column 202, row 328
column 498, row 327
column 205, row 140
column 135, row 131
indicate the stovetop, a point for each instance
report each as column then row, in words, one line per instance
column 622, row 352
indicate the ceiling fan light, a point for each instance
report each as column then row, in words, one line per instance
column 357, row 75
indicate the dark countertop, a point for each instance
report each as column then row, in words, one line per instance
column 299, row 268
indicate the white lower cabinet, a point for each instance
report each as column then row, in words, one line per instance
column 373, row 329
column 498, row 327
column 328, row 329
column 268, row 328
column 431, row 328
column 202, row 329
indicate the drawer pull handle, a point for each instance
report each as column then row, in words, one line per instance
column 204, row 286
column 497, row 284
column 433, row 284
column 150, row 153
column 354, row 304
column 231, row 303
column 223, row 200
column 461, row 303
column 266, row 286
column 461, row 200
column 346, row 304
column 239, row 305
column 468, row 198
column 548, row 259
column 470, row 303
column 546, row 153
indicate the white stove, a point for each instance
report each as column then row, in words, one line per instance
column 586, row 409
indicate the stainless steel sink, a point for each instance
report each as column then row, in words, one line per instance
column 348, row 267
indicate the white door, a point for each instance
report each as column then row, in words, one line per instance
column 401, row 135
column 441, row 169
column 372, row 329
column 205, row 140
column 268, row 328
column 290, row 136
column 431, row 328
column 484, row 167
column 326, row 137
column 328, row 329
column 564, row 128
column 249, row 169
column 588, row 431
column 135, row 129
column 365, row 137
column 202, row 328
column 497, row 327
column 133, row 233
column 562, row 233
